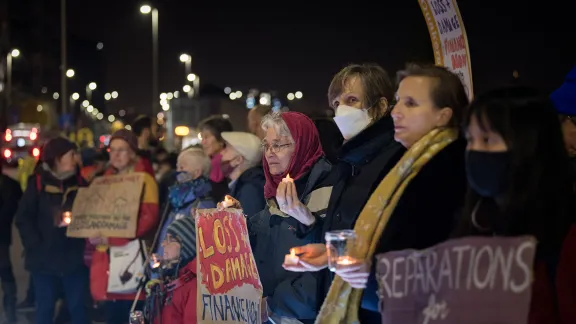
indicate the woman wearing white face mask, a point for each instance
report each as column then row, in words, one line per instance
column 361, row 96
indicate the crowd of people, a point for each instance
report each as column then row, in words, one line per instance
column 406, row 165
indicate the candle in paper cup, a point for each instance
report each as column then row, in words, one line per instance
column 291, row 258
column 287, row 179
column 67, row 217
column 155, row 261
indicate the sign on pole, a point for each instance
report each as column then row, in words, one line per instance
column 449, row 39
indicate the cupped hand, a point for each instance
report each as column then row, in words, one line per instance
column 311, row 257
column 356, row 275
column 289, row 203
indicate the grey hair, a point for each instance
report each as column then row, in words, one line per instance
column 274, row 120
column 202, row 159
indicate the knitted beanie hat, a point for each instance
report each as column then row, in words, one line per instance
column 184, row 230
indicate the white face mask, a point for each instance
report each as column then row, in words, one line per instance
column 351, row 121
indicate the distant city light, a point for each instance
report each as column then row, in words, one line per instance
column 70, row 73
column 298, row 95
column 114, row 94
column 227, row 90
column 290, row 96
column 100, row 46
column 75, row 96
column 145, row 9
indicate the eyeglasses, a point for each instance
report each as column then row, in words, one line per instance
column 275, row 148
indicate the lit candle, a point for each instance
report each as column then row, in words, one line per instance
column 228, row 202
column 67, row 217
column 346, row 260
column 155, row 261
column 291, row 258
column 288, row 179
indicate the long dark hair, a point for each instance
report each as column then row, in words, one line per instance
column 539, row 198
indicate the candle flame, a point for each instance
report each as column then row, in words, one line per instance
column 292, row 252
column 67, row 217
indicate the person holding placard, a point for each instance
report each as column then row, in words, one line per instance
column 518, row 171
column 123, row 160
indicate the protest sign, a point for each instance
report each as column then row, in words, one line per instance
column 449, row 39
column 470, row 280
column 229, row 288
column 108, row 208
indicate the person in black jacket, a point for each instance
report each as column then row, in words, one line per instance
column 242, row 164
column 10, row 194
column 54, row 259
column 362, row 97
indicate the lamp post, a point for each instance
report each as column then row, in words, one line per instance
column 146, row 9
column 12, row 54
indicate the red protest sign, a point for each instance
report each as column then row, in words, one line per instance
column 229, row 287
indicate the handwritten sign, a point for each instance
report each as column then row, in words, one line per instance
column 449, row 39
column 229, row 287
column 109, row 207
column 471, row 280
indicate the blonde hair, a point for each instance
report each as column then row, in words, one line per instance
column 201, row 158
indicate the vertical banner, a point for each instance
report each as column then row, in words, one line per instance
column 449, row 38
column 473, row 280
column 229, row 288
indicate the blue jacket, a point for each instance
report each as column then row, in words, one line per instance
column 289, row 294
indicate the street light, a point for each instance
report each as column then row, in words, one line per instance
column 191, row 77
column 75, row 96
column 146, row 9
column 92, row 86
column 298, row 95
column 70, row 73
column 185, row 58
column 114, row 94
column 186, row 88
column 13, row 53
column 107, row 96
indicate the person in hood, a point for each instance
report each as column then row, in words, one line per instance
column 242, row 164
column 171, row 298
column 192, row 189
column 123, row 160
column 564, row 99
column 53, row 259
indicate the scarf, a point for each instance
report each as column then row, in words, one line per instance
column 342, row 302
column 307, row 151
column 183, row 193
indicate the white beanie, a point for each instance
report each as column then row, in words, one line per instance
column 247, row 144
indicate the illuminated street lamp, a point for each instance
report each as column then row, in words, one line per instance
column 70, row 73
column 146, row 9
column 13, row 53
column 92, row 86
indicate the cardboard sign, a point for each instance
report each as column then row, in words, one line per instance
column 108, row 208
column 470, row 280
column 449, row 39
column 229, row 288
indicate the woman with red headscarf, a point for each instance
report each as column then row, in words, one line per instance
column 297, row 191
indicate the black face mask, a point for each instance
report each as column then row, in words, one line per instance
column 487, row 172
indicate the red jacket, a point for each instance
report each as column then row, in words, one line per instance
column 182, row 308
column 542, row 309
column 148, row 219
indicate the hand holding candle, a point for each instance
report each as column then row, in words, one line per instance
column 287, row 178
column 229, row 202
column 66, row 219
column 291, row 259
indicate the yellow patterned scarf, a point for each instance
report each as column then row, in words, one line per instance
column 342, row 302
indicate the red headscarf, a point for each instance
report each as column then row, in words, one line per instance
column 307, row 151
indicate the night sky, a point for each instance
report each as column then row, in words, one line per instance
column 290, row 47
